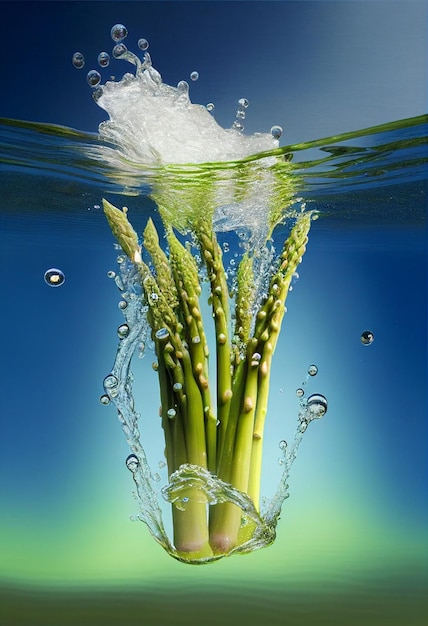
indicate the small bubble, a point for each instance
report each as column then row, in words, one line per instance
column 122, row 305
column 185, row 499
column 132, row 462
column 154, row 297
column 54, row 277
column 210, row 106
column 111, row 274
column 105, row 400
column 238, row 126
column 276, row 132
column 300, row 393
column 280, row 461
column 103, row 59
column 118, row 50
column 161, row 464
column 110, row 385
column 196, row 340
column 156, row 477
column 194, row 75
column 78, row 60
column 283, row 444
column 123, row 331
column 143, row 44
column 121, row 259
column 240, row 114
column 118, row 32
column 171, row 413
column 225, row 247
column 243, row 102
column 177, row 386
column 312, row 370
column 162, row 334
column 316, row 406
column 93, row 78
column 367, row 338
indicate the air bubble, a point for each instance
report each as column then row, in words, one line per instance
column 111, row 274
column 312, row 370
column 143, row 44
column 316, row 406
column 105, row 400
column 171, row 413
column 122, row 305
column 93, row 78
column 110, row 385
column 118, row 50
column 119, row 32
column 177, row 386
column 154, row 297
column 243, row 102
column 162, row 334
column 194, row 75
column 276, row 132
column 283, row 444
column 238, row 126
column 210, row 106
column 123, row 331
column 367, row 338
column 132, row 463
column 103, row 59
column 300, row 393
column 54, row 277
column 78, row 60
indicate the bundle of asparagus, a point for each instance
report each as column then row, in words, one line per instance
column 217, row 429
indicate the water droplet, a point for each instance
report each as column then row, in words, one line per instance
column 97, row 93
column 78, row 60
column 123, row 331
column 54, row 277
column 93, row 78
column 283, row 444
column 367, row 338
column 300, row 393
column 177, row 386
column 210, row 106
column 162, row 334
column 132, row 462
column 171, row 413
column 143, row 44
column 118, row 32
column 316, row 406
column 110, row 385
column 276, row 132
column 312, row 370
column 243, row 102
column 103, row 59
column 122, row 305
column 105, row 400
column 194, row 75
column 118, row 50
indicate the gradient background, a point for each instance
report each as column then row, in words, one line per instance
column 351, row 545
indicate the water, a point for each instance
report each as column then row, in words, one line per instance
column 365, row 269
